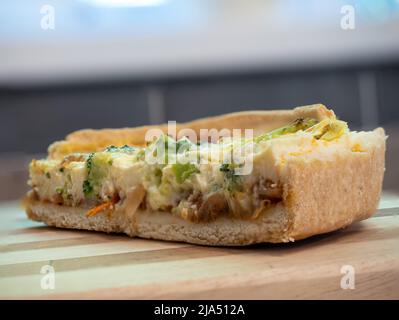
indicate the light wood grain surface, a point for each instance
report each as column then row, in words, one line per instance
column 93, row 265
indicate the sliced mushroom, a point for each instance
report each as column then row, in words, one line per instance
column 264, row 204
column 241, row 205
column 267, row 189
column 213, row 206
column 134, row 197
column 199, row 208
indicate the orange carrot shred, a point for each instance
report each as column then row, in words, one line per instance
column 97, row 209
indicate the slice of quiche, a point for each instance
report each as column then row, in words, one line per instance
column 301, row 173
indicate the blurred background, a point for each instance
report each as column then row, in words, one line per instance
column 72, row 64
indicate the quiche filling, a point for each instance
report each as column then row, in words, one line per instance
column 193, row 180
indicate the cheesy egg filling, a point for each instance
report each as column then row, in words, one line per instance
column 194, row 181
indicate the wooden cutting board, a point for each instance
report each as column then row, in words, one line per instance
column 93, row 265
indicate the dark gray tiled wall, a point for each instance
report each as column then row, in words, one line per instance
column 388, row 95
column 198, row 99
column 30, row 121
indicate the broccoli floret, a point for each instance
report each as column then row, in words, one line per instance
column 184, row 171
column 233, row 181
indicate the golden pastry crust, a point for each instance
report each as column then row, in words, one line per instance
column 90, row 140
